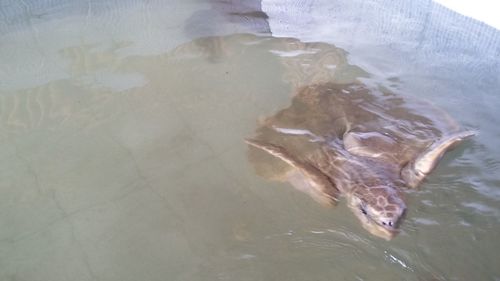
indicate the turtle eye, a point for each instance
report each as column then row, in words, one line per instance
column 363, row 210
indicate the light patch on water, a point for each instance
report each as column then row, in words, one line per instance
column 425, row 221
column 393, row 259
column 288, row 233
column 295, row 53
column 428, row 203
column 464, row 223
column 299, row 132
column 483, row 209
column 246, row 257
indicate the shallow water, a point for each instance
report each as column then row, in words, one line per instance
column 122, row 126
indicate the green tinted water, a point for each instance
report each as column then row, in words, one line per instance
column 121, row 128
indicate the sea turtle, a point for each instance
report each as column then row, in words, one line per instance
column 358, row 142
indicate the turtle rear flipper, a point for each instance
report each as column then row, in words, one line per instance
column 415, row 171
column 304, row 177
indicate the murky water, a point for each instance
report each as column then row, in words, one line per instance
column 122, row 153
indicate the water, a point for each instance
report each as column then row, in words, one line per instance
column 121, row 128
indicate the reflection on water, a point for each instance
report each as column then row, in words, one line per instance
column 121, row 137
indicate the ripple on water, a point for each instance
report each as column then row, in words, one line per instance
column 483, row 209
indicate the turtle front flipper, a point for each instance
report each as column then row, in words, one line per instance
column 304, row 177
column 415, row 171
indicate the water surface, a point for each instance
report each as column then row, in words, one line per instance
column 121, row 128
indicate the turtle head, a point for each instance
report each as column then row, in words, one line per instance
column 379, row 208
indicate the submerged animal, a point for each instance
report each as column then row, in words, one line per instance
column 356, row 142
